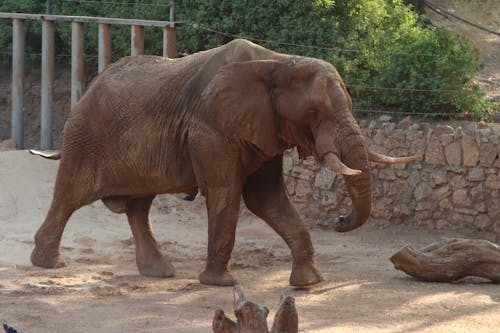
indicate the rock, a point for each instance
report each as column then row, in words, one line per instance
column 302, row 173
column 434, row 153
column 470, row 151
column 324, row 178
column 442, row 192
column 493, row 182
column 423, row 191
column 488, row 153
column 385, row 118
column 444, row 129
column 302, row 190
column 405, row 123
column 453, row 153
column 476, row 175
column 460, row 198
column 439, row 177
column 387, row 174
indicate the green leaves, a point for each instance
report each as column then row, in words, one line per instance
column 388, row 58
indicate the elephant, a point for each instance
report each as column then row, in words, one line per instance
column 217, row 122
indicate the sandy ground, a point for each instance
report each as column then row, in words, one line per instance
column 101, row 291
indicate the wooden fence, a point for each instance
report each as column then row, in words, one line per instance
column 77, row 60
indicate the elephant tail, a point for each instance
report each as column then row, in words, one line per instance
column 51, row 155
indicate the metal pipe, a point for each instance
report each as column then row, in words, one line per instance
column 17, row 119
column 172, row 11
column 48, row 61
column 104, row 46
column 137, row 40
column 77, row 62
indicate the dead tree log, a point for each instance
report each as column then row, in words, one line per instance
column 252, row 318
column 450, row 260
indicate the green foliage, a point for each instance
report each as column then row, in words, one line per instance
column 387, row 56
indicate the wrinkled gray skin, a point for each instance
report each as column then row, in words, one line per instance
column 217, row 121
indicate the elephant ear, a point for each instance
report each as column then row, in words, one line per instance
column 239, row 97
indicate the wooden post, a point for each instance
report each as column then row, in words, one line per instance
column 18, row 82
column 48, row 60
column 169, row 42
column 137, row 40
column 104, row 46
column 77, row 62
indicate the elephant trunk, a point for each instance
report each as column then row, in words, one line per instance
column 360, row 192
column 347, row 155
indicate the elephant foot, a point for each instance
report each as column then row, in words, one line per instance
column 213, row 277
column 47, row 259
column 156, row 267
column 305, row 274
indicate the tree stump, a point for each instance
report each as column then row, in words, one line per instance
column 450, row 260
column 252, row 318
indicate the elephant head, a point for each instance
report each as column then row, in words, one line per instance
column 297, row 101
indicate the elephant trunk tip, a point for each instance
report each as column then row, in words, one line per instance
column 351, row 222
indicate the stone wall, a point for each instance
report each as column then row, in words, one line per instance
column 455, row 186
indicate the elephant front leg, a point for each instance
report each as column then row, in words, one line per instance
column 265, row 196
column 223, row 205
column 149, row 259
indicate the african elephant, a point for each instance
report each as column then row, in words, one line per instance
column 217, row 121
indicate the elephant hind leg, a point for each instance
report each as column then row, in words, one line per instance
column 149, row 259
column 48, row 237
column 72, row 191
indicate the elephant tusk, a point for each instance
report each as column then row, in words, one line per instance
column 336, row 165
column 380, row 158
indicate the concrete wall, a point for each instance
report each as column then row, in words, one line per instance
column 455, row 186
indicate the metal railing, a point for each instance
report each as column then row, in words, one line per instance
column 77, row 60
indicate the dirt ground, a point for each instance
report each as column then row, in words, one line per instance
column 101, row 290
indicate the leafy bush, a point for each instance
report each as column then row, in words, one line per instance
column 389, row 59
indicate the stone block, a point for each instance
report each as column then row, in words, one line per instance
column 459, row 181
column 446, row 139
column 324, row 178
column 302, row 190
column 439, row 177
column 470, row 151
column 302, row 173
column 476, row 175
column 387, row 174
column 453, row 153
column 434, row 153
column 311, row 163
column 493, row 182
column 423, row 191
column 442, row 192
column 460, row 198
column 443, row 129
column 445, row 204
column 487, row 154
column 287, row 163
